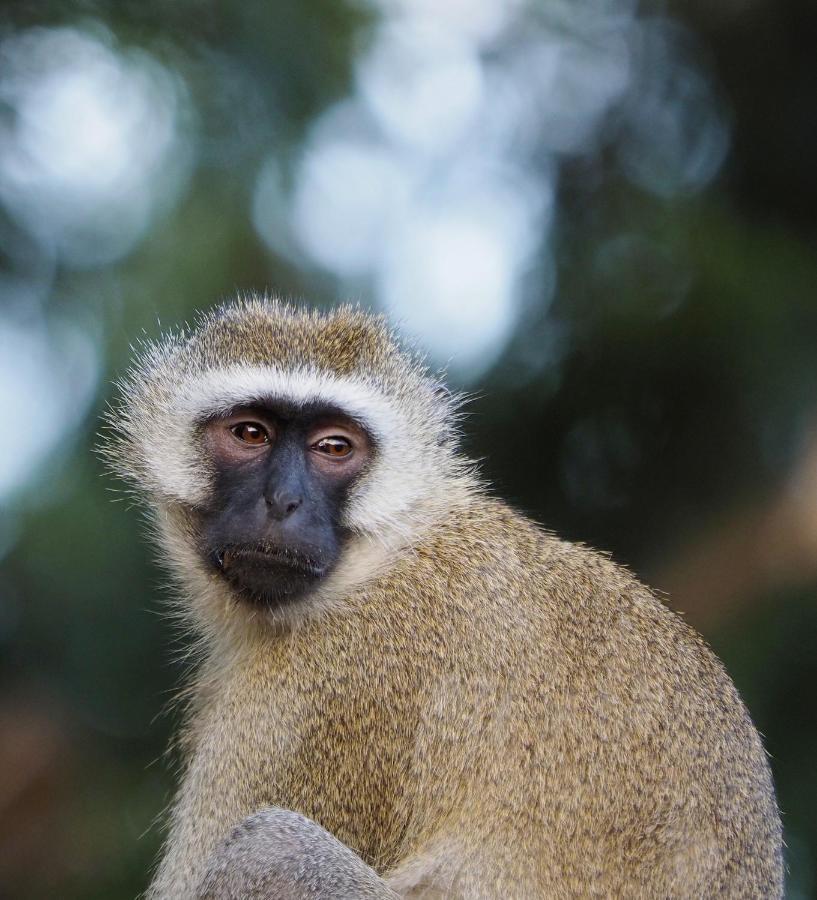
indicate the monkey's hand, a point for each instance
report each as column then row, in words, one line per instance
column 277, row 854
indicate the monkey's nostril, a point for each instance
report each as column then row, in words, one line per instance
column 283, row 503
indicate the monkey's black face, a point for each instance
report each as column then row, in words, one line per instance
column 274, row 528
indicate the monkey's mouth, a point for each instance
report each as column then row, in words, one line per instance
column 226, row 558
column 266, row 574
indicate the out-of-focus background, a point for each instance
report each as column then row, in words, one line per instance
column 598, row 215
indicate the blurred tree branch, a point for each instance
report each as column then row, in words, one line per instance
column 735, row 562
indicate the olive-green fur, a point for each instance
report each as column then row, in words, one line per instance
column 498, row 714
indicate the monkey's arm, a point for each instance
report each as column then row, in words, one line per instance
column 277, row 854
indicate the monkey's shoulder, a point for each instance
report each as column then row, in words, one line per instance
column 511, row 583
column 489, row 545
column 584, row 647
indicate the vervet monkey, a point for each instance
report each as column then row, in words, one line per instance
column 406, row 688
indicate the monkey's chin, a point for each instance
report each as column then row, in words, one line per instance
column 273, row 595
column 268, row 579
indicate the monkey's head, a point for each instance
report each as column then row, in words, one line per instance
column 284, row 453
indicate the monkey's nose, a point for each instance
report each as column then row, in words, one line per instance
column 282, row 503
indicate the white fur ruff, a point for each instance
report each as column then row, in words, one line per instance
column 399, row 480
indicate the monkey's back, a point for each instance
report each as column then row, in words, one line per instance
column 502, row 715
column 581, row 736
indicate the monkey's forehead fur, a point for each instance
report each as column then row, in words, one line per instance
column 262, row 350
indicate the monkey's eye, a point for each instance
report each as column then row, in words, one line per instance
column 336, row 447
column 251, row 433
